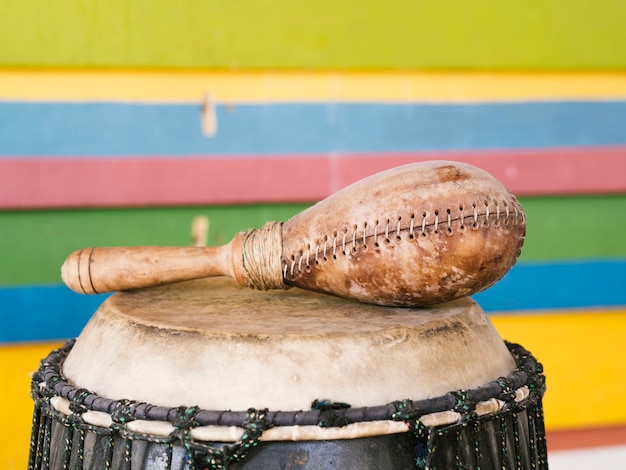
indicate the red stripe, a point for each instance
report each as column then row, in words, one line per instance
column 117, row 182
column 582, row 438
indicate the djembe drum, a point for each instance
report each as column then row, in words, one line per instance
column 205, row 374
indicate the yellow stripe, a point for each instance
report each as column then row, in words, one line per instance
column 307, row 86
column 16, row 364
column 583, row 355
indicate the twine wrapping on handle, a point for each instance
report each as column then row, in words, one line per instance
column 261, row 256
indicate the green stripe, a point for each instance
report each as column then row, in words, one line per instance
column 575, row 227
column 35, row 243
column 323, row 34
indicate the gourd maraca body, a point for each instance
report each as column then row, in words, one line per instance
column 414, row 235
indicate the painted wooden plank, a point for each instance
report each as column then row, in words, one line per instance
column 162, row 181
column 553, row 286
column 575, row 227
column 109, row 129
column 44, row 313
column 567, row 439
column 237, row 87
column 39, row 313
column 270, row 34
column 45, row 182
column 35, row 243
column 17, row 363
column 109, row 182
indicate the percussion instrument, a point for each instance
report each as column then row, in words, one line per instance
column 204, row 374
column 414, row 235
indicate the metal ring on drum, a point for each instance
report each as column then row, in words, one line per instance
column 205, row 374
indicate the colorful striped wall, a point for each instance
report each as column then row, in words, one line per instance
column 119, row 127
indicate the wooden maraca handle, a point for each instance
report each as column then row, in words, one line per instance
column 252, row 258
column 107, row 269
column 410, row 236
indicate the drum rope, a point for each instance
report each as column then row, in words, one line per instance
column 262, row 250
column 48, row 386
column 254, row 425
column 526, row 373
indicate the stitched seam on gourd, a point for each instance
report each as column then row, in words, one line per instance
column 339, row 240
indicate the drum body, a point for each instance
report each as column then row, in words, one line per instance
column 205, row 374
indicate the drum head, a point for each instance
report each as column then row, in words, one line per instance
column 214, row 344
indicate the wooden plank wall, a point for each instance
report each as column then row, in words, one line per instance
column 121, row 122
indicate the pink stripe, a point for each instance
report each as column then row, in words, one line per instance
column 118, row 182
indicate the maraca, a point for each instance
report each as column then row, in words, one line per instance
column 414, row 235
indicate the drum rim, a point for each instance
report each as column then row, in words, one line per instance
column 48, row 382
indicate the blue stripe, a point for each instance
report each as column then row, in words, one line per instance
column 113, row 129
column 44, row 313
column 55, row 312
column 547, row 286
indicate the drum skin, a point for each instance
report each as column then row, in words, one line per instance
column 219, row 346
